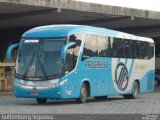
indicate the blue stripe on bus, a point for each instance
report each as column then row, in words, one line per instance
column 126, row 61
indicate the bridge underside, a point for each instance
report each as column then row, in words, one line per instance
column 16, row 18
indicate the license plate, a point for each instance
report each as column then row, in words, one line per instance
column 35, row 94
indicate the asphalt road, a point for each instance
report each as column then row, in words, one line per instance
column 146, row 103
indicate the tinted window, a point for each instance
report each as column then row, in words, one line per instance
column 108, row 45
column 90, row 47
column 143, row 50
column 114, row 48
column 117, row 48
column 149, row 50
column 134, row 48
column 73, row 51
column 102, row 45
column 138, row 50
column 127, row 49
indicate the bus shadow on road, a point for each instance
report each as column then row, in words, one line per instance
column 110, row 99
column 74, row 102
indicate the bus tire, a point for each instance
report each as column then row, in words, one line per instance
column 135, row 92
column 101, row 97
column 41, row 100
column 83, row 94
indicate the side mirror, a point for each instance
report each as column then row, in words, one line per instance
column 9, row 50
column 64, row 49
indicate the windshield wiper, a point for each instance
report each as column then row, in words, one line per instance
column 29, row 66
column 39, row 62
column 44, row 71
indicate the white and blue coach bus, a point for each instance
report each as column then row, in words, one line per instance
column 78, row 61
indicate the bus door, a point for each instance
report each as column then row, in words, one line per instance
column 102, row 64
column 97, row 71
column 89, row 57
column 103, row 77
column 89, row 73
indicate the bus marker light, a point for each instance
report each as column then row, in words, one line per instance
column 68, row 92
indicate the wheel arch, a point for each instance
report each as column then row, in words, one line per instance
column 138, row 81
column 87, row 83
column 88, row 87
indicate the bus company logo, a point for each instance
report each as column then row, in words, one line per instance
column 121, row 76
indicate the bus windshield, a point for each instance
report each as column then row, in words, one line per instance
column 39, row 58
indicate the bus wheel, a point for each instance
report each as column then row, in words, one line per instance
column 41, row 100
column 83, row 94
column 135, row 92
column 101, row 97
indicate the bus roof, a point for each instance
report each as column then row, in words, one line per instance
column 51, row 31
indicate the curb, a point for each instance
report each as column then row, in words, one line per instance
column 8, row 92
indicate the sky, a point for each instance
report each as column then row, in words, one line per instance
column 140, row 4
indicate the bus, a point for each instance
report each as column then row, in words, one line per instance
column 80, row 61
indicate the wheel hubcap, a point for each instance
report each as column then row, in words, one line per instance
column 136, row 90
column 84, row 92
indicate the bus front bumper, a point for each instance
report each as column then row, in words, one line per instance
column 50, row 93
column 52, row 90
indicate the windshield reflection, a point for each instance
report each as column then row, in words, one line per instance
column 39, row 58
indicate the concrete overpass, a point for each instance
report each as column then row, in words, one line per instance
column 17, row 16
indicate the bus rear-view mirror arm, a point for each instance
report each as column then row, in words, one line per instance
column 9, row 50
column 64, row 50
column 85, row 57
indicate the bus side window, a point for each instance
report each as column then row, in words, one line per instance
column 119, row 48
column 138, row 50
column 102, row 45
column 108, row 45
column 143, row 50
column 133, row 49
column 69, row 62
column 73, row 51
column 130, row 49
column 149, row 50
column 114, row 48
column 90, row 47
column 127, row 48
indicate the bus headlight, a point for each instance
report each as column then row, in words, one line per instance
column 63, row 82
column 57, row 83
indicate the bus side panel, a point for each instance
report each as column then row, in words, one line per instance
column 147, row 82
column 87, row 72
column 100, row 77
column 144, row 71
column 104, row 76
column 70, row 87
column 122, row 69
